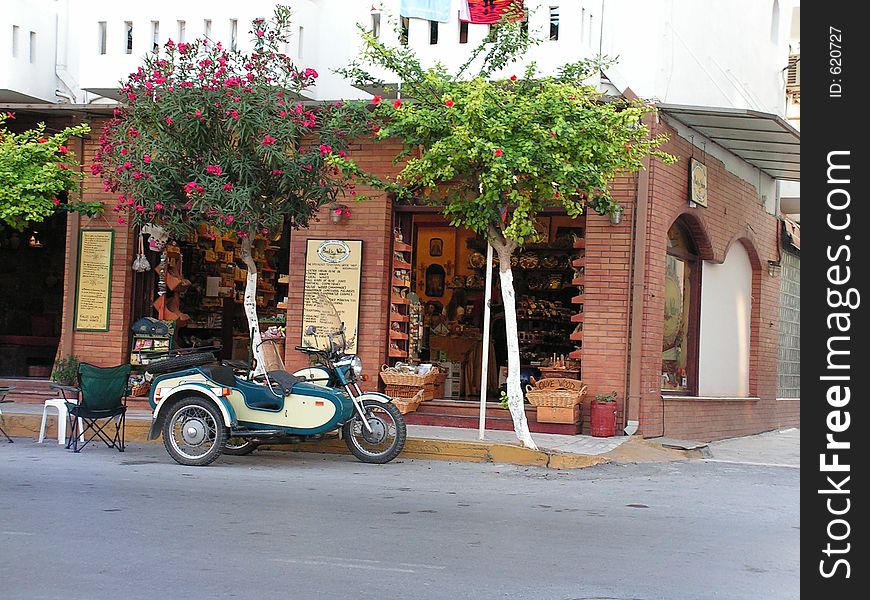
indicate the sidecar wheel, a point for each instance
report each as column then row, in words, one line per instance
column 384, row 442
column 194, row 433
column 238, row 446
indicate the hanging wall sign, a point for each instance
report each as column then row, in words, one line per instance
column 94, row 279
column 698, row 182
column 332, row 283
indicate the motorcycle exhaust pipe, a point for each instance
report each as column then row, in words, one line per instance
column 256, row 433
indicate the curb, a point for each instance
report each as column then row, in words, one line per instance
column 136, row 430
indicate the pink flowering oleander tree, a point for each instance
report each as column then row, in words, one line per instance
column 209, row 135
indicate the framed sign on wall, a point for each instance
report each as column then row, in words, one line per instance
column 333, row 269
column 94, row 279
column 698, row 182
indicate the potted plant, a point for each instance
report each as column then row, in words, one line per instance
column 603, row 415
column 66, row 371
column 616, row 214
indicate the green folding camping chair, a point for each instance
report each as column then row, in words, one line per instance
column 99, row 399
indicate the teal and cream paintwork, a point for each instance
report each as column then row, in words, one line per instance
column 309, row 410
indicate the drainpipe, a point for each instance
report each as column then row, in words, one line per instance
column 637, row 298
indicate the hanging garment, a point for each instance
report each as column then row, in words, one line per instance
column 490, row 11
column 431, row 10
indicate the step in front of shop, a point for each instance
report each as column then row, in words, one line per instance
column 452, row 413
column 34, row 391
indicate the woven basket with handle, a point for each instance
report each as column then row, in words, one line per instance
column 556, row 392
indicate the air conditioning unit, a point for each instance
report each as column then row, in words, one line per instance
column 793, row 78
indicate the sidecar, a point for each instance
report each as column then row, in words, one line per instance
column 199, row 407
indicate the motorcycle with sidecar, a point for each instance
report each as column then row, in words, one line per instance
column 204, row 408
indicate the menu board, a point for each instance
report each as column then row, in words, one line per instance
column 332, row 282
column 94, row 279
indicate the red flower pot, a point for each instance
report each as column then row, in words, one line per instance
column 603, row 417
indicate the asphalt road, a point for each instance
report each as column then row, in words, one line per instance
column 105, row 525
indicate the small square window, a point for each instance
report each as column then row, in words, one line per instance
column 101, row 37
column 554, row 23
column 128, row 37
column 403, row 31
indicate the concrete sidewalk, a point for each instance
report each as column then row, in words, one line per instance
column 451, row 443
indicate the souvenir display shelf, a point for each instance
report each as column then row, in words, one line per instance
column 400, row 286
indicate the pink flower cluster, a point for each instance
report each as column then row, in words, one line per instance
column 192, row 186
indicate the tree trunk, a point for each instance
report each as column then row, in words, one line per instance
column 504, row 248
column 251, row 306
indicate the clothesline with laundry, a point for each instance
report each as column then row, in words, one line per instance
column 472, row 11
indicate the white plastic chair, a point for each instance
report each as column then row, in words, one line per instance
column 62, row 418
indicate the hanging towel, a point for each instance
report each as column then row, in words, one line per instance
column 431, row 10
column 490, row 11
column 464, row 15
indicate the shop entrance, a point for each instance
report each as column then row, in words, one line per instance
column 31, row 277
column 448, row 279
column 203, row 281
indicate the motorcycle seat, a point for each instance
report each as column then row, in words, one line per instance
column 220, row 374
column 284, row 379
column 236, row 364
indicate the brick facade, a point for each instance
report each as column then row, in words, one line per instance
column 102, row 348
column 372, row 222
column 606, row 301
column 735, row 215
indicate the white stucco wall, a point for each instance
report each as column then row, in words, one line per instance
column 703, row 52
column 706, row 52
column 726, row 307
column 20, row 79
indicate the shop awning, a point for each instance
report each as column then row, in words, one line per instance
column 763, row 140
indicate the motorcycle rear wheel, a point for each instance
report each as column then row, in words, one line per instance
column 238, row 446
column 194, row 433
column 385, row 441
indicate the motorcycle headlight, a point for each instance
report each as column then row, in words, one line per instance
column 356, row 365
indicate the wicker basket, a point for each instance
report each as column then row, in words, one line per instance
column 408, row 405
column 140, row 389
column 556, row 392
column 407, row 391
column 393, row 376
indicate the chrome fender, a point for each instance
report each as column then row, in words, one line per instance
column 222, row 403
column 375, row 396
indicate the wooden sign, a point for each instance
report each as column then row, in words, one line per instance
column 333, row 270
column 94, row 279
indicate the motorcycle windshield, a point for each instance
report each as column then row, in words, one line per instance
column 325, row 330
column 272, row 355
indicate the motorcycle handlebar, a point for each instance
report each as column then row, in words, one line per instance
column 310, row 349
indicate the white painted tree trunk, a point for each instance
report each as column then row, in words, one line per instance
column 250, row 305
column 514, row 389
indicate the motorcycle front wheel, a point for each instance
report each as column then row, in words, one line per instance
column 239, row 446
column 385, row 440
column 194, row 433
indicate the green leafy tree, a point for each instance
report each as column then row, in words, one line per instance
column 210, row 135
column 37, row 173
column 495, row 153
